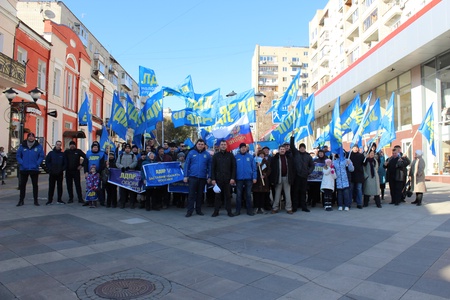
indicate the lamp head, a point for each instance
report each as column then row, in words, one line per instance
column 231, row 94
column 259, row 98
column 35, row 94
column 10, row 94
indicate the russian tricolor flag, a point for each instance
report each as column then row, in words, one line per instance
column 236, row 133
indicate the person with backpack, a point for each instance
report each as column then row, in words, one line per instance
column 125, row 162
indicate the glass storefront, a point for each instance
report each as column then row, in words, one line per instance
column 436, row 85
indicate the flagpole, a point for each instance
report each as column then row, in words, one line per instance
column 409, row 146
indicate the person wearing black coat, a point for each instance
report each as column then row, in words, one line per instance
column 304, row 166
column 56, row 165
column 74, row 160
column 396, row 173
column 111, row 189
column 282, row 176
column 223, row 174
column 357, row 159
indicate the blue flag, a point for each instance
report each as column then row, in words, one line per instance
column 361, row 119
column 147, row 81
column 373, row 120
column 189, row 144
column 233, row 108
column 105, row 141
column 323, row 138
column 132, row 112
column 388, row 125
column 186, row 89
column 204, row 105
column 151, row 113
column 208, row 137
column 280, row 133
column 85, row 114
column 349, row 115
column 335, row 130
column 289, row 95
column 187, row 117
column 426, row 128
column 118, row 121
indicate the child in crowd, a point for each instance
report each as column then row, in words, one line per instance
column 343, row 168
column 327, row 186
column 92, row 186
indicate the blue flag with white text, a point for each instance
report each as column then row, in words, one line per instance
column 132, row 112
column 289, row 96
column 349, row 115
column 151, row 113
column 233, row 108
column 147, row 81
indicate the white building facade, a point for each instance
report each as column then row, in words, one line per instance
column 385, row 46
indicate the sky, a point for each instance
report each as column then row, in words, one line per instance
column 213, row 41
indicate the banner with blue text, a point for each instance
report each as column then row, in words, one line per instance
column 158, row 174
column 130, row 180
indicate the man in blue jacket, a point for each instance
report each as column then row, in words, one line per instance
column 29, row 156
column 245, row 176
column 56, row 165
column 197, row 169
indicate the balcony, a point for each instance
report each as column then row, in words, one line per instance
column 297, row 63
column 12, row 72
column 392, row 14
column 126, row 81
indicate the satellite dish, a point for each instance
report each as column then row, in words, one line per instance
column 49, row 14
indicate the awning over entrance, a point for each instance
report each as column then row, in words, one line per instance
column 74, row 134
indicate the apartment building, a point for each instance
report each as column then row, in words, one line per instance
column 385, row 46
column 273, row 69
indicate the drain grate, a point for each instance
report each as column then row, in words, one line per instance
column 134, row 284
column 124, row 289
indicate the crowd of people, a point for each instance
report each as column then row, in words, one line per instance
column 264, row 182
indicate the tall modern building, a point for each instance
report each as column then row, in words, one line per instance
column 273, row 69
column 385, row 46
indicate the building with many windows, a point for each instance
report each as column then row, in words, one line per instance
column 273, row 69
column 385, row 46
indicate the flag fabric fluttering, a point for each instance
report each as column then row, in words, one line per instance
column 236, row 133
column 335, row 130
column 205, row 105
column 132, row 112
column 349, row 115
column 362, row 117
column 105, row 141
column 185, row 89
column 426, row 128
column 373, row 120
column 388, row 126
column 118, row 120
column 287, row 125
column 230, row 109
column 189, row 144
column 289, row 95
column 151, row 113
column 147, row 81
column 85, row 114
column 324, row 137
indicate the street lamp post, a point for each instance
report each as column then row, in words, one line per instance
column 258, row 99
column 10, row 95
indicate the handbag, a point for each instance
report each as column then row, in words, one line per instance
column 407, row 190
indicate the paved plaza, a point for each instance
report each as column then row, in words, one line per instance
column 73, row 252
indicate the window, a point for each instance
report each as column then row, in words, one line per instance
column 295, row 59
column 39, row 126
column 68, row 125
column 284, row 59
column 305, row 65
column 90, row 47
column 69, row 91
column 56, row 82
column 2, row 37
column 295, row 69
column 42, row 71
column 305, row 53
column 370, row 19
column 285, row 69
column 22, row 55
column 97, row 108
column 55, row 132
column 284, row 78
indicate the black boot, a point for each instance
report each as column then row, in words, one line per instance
column 366, row 200
column 20, row 203
column 419, row 199
column 36, row 203
column 377, row 201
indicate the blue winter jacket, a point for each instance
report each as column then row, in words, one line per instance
column 30, row 159
column 343, row 173
column 245, row 167
column 198, row 164
column 95, row 158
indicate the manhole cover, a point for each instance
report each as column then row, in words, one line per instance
column 134, row 284
column 124, row 289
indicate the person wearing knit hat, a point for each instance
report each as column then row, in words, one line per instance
column 96, row 156
column 72, row 143
column 417, row 177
